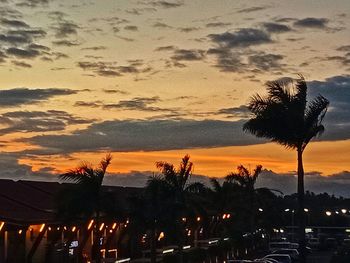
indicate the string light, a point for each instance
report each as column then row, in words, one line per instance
column 90, row 224
column 2, row 225
column 42, row 228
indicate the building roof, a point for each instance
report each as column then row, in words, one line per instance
column 32, row 202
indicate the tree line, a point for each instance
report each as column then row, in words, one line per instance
column 171, row 202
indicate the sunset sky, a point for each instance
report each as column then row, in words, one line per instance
column 154, row 80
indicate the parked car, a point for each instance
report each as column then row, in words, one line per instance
column 266, row 260
column 331, row 243
column 281, row 258
column 314, row 242
column 346, row 243
column 238, row 261
column 293, row 253
column 294, row 245
column 278, row 245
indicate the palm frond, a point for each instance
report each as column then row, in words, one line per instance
column 196, row 187
column 301, row 92
column 105, row 162
column 278, row 92
column 257, row 172
column 185, row 170
column 168, row 172
column 283, row 117
column 215, row 184
column 235, row 178
column 316, row 111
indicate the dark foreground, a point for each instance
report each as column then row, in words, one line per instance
column 320, row 257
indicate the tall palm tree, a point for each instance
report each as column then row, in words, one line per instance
column 86, row 198
column 284, row 116
column 179, row 194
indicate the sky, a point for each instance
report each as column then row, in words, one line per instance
column 154, row 80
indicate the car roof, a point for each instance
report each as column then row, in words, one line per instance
column 286, row 249
column 277, row 255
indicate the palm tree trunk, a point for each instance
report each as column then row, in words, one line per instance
column 301, row 213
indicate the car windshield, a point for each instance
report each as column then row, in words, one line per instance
column 280, row 258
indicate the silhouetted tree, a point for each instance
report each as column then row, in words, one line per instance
column 86, row 199
column 285, row 117
column 179, row 194
column 223, row 199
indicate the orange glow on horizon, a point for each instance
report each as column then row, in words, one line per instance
column 214, row 162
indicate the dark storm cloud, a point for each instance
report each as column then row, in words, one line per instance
column 312, row 22
column 11, row 168
column 217, row 24
column 144, row 104
column 18, row 39
column 276, row 28
column 23, row 53
column 89, row 104
column 38, row 47
column 9, row 12
column 343, row 60
column 241, row 38
column 161, row 25
column 110, row 69
column 344, row 48
column 188, row 55
column 235, row 112
column 266, row 62
column 138, row 104
column 95, row 48
column 188, row 29
column 2, row 57
column 148, row 135
column 38, row 121
column 165, row 48
column 32, row 32
column 228, row 60
column 116, row 91
column 107, row 73
column 65, row 28
column 128, row 39
column 21, row 64
column 131, row 28
column 105, row 69
column 233, row 51
column 22, row 96
column 140, row 11
column 58, row 55
column 337, row 184
column 66, row 43
column 337, row 90
column 33, row 3
column 15, row 39
column 174, row 64
column 252, row 9
column 163, row 3
column 13, row 23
